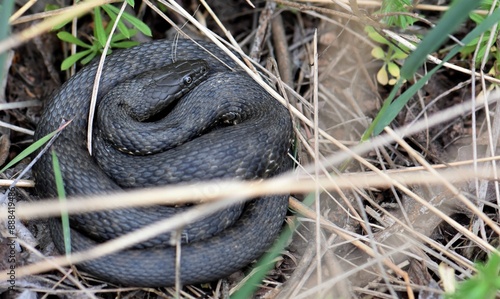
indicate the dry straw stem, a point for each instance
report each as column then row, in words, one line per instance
column 16, row 128
column 213, row 191
column 97, row 79
column 317, row 171
column 22, row 10
column 375, row 3
column 407, row 130
column 19, row 184
column 20, row 104
column 44, row 15
column 52, row 208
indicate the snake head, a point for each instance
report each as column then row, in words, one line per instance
column 155, row 90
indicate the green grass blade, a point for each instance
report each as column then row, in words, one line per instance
column 29, row 150
column 481, row 28
column 382, row 118
column 5, row 13
column 456, row 15
column 62, row 200
column 265, row 263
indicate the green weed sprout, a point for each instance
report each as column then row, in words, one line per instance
column 483, row 42
column 484, row 285
column 395, row 13
column 389, row 73
column 101, row 34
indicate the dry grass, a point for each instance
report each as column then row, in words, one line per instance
column 386, row 214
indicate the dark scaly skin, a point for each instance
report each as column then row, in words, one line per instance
column 201, row 261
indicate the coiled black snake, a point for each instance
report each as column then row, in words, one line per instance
column 226, row 126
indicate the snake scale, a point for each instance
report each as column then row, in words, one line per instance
column 223, row 126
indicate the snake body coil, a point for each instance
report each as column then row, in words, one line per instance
column 225, row 127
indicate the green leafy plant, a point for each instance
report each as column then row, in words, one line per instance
column 395, row 12
column 455, row 16
column 389, row 73
column 483, row 285
column 102, row 31
column 482, row 42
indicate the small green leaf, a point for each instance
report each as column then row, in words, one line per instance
column 124, row 30
column 100, row 33
column 69, row 38
column 393, row 69
column 140, row 25
column 382, row 76
column 50, row 7
column 474, row 42
column 114, row 17
column 110, row 11
column 390, row 7
column 89, row 57
column 119, row 36
column 378, row 53
column 390, row 109
column 68, row 62
column 131, row 3
column 480, row 53
column 398, row 54
column 375, row 36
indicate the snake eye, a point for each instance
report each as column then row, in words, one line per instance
column 187, row 80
